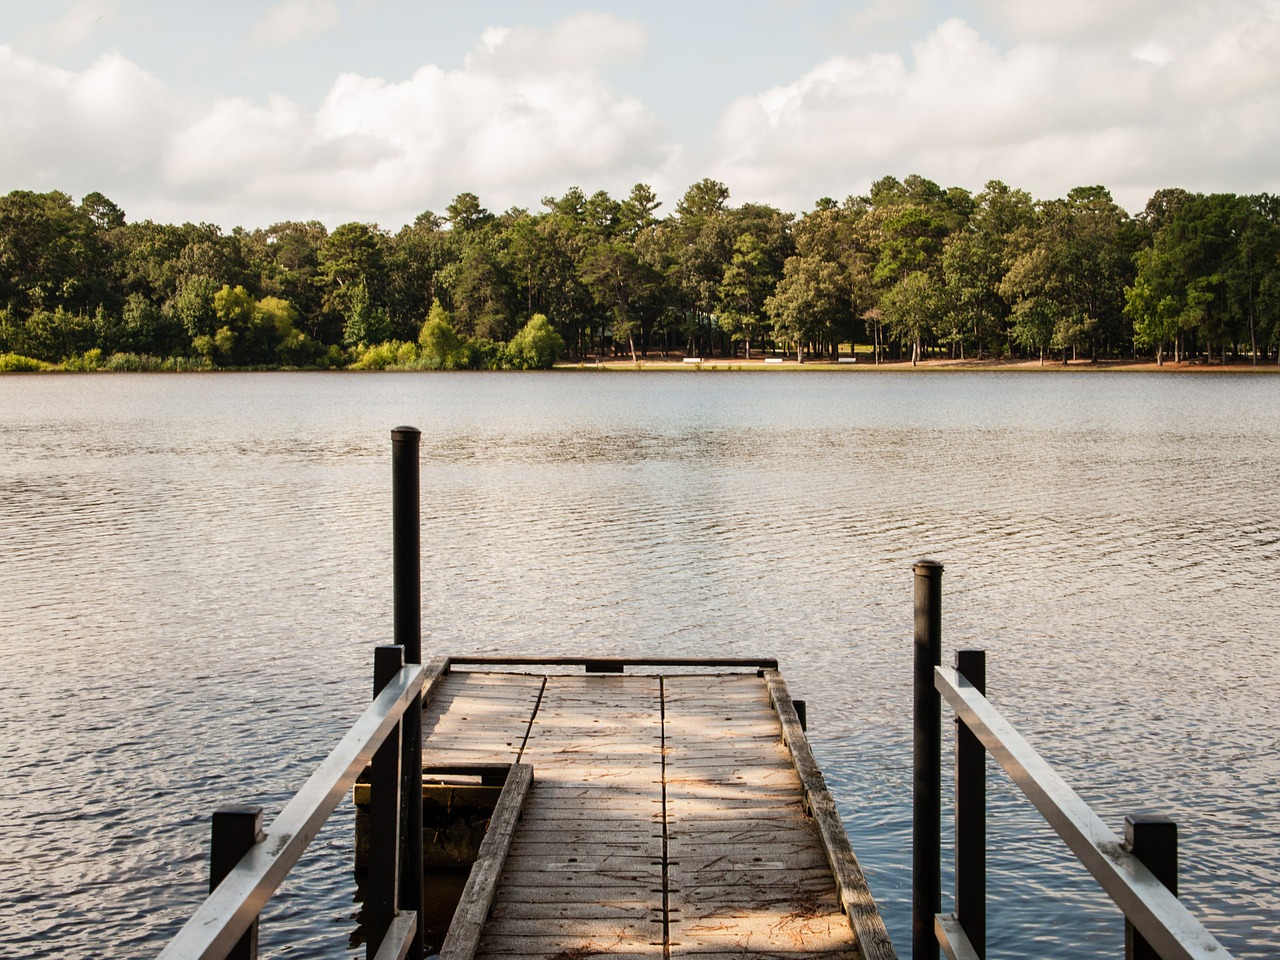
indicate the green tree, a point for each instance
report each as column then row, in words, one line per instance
column 52, row 255
column 352, row 277
column 693, row 250
column 976, row 257
column 911, row 307
column 146, row 329
column 440, row 343
column 536, row 347
column 480, row 290
column 806, row 302
column 546, row 253
column 1161, row 303
column 284, row 259
column 276, row 324
column 1210, row 272
column 912, row 240
column 192, row 306
column 1029, row 286
column 637, row 213
column 256, row 332
column 366, row 322
column 747, row 283
column 233, row 307
column 620, row 282
column 1072, row 271
column 838, row 234
column 419, row 252
column 104, row 214
column 465, row 213
column 146, row 260
column 56, row 334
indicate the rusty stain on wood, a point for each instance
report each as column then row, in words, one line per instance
column 671, row 814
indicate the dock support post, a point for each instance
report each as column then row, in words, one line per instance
column 407, row 601
column 971, row 813
column 1153, row 840
column 236, row 829
column 385, row 810
column 926, row 880
column 406, row 541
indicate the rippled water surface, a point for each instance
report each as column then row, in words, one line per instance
column 194, row 570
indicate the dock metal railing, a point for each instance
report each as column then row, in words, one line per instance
column 1139, row 873
column 248, row 864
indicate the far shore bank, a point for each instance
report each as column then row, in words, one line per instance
column 903, row 366
column 724, row 364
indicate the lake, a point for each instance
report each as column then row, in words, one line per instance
column 196, row 569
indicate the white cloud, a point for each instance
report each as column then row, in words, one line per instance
column 293, row 20
column 1184, row 100
column 101, row 128
column 1042, row 116
column 1153, row 52
column 527, row 114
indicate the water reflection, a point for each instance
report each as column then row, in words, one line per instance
column 196, row 568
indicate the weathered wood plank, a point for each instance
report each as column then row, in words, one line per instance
column 472, row 911
column 583, row 818
column 854, row 892
column 558, row 837
column 630, row 863
column 528, row 887
column 704, row 900
column 593, row 827
column 603, row 909
column 569, row 948
column 640, row 927
column 743, row 884
column 720, row 663
column 710, row 952
column 731, row 903
column 590, row 869
column 824, row 930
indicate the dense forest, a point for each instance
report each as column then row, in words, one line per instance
column 909, row 271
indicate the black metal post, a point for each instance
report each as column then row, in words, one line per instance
column 971, row 814
column 1152, row 839
column 382, row 886
column 407, row 602
column 406, row 541
column 926, row 893
column 236, row 829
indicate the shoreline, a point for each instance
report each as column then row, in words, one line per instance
column 926, row 366
column 725, row 365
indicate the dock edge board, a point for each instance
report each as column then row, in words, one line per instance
column 855, row 895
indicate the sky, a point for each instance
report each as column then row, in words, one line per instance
column 246, row 114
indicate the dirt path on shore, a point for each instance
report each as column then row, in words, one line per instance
column 901, row 366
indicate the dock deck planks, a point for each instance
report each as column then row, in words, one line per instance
column 666, row 818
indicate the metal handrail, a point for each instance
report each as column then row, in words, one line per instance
column 1162, row 919
column 231, row 909
column 1139, row 874
column 248, row 864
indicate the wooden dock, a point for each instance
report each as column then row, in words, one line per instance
column 674, row 811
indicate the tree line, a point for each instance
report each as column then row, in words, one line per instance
column 908, row 271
